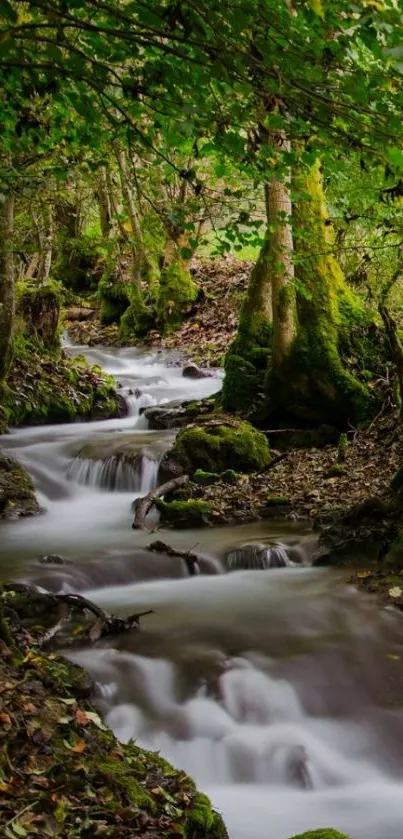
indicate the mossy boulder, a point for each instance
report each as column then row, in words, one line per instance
column 219, row 446
column 39, row 307
column 186, row 513
column 62, row 771
column 44, row 389
column 322, row 833
column 177, row 292
column 17, row 494
column 113, row 295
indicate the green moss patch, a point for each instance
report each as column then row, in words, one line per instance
column 17, row 494
column 187, row 513
column 217, row 447
column 44, row 389
column 176, row 294
column 325, row 833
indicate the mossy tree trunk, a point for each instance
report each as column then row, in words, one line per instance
column 247, row 358
column 7, row 293
column 311, row 383
column 281, row 265
column 105, row 204
column 46, row 243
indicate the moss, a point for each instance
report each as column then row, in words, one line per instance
column 113, row 295
column 218, row 447
column 137, row 319
column 176, row 294
column 207, row 478
column 322, row 833
column 336, row 470
column 44, row 389
column 39, row 307
column 17, row 494
column 394, row 556
column 277, row 500
column 187, row 513
column 342, row 448
column 81, row 780
column 313, row 384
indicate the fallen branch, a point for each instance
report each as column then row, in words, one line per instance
column 142, row 506
column 61, row 608
column 274, row 461
column 192, row 560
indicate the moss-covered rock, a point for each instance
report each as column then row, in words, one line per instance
column 39, row 306
column 44, row 389
column 113, row 295
column 217, row 447
column 176, row 294
column 62, row 771
column 186, row 513
column 206, row 478
column 322, row 833
column 17, row 494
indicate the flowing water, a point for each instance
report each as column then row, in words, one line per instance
column 280, row 689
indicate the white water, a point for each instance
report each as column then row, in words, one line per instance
column 279, row 690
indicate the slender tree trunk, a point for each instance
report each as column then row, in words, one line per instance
column 46, row 244
column 104, row 203
column 139, row 257
column 7, row 297
column 279, row 211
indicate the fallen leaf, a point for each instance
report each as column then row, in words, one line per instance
column 396, row 591
column 78, row 747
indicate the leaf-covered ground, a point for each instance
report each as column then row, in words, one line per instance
column 205, row 335
column 62, row 772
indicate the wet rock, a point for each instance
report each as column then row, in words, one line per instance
column 79, row 313
column 51, row 559
column 176, row 414
column 192, row 371
column 17, row 494
column 170, row 467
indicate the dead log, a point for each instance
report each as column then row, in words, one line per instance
column 25, row 606
column 142, row 506
column 192, row 560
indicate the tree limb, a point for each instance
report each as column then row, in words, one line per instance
column 142, row 506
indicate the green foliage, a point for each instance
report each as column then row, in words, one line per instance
column 215, row 447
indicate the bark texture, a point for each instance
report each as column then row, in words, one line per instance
column 7, row 294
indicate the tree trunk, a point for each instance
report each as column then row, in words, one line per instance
column 280, row 250
column 7, row 296
column 139, row 257
column 248, row 355
column 104, row 203
column 311, row 384
column 46, row 244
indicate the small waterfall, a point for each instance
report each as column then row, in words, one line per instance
column 114, row 473
column 259, row 557
column 136, row 400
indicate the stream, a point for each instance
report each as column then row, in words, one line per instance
column 280, row 691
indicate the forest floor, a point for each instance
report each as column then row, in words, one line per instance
column 205, row 335
column 62, row 772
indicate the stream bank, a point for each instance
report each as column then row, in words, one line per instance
column 279, row 691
